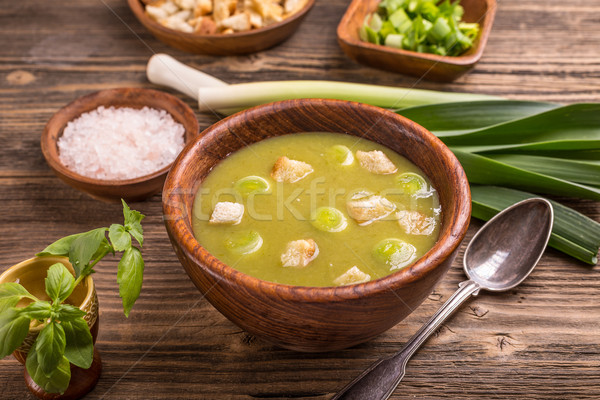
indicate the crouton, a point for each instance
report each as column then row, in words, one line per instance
column 256, row 19
column 353, row 275
column 272, row 14
column 366, row 208
column 226, row 212
column 203, row 7
column 204, row 25
column 156, row 13
column 376, row 162
column 286, row 170
column 415, row 223
column 223, row 9
column 185, row 4
column 169, row 7
column 237, row 22
column 176, row 22
column 299, row 253
column 293, row 6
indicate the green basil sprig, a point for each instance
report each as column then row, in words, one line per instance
column 65, row 338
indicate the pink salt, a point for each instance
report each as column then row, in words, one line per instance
column 120, row 143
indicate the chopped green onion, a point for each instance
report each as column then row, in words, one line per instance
column 425, row 26
column 252, row 184
column 243, row 243
column 329, row 219
column 395, row 253
column 411, row 183
column 584, row 172
column 340, row 154
column 394, row 40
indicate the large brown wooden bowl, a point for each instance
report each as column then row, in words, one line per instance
column 113, row 190
column 236, row 43
column 428, row 66
column 315, row 318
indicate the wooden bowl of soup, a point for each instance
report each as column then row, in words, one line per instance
column 219, row 187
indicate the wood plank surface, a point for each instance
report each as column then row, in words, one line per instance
column 539, row 341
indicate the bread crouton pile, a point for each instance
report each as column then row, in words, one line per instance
column 209, row 17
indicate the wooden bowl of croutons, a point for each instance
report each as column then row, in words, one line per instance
column 221, row 27
column 312, row 318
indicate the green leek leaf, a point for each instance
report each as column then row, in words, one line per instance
column 463, row 116
column 485, row 171
column 552, row 145
column 570, row 170
column 580, row 121
column 573, row 233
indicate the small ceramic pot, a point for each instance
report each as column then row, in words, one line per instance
column 31, row 274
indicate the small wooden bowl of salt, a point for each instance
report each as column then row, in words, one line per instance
column 118, row 143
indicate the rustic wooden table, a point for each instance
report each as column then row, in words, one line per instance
column 539, row 341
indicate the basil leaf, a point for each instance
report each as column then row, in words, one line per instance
column 39, row 310
column 133, row 221
column 59, row 283
column 13, row 330
column 80, row 346
column 50, row 347
column 11, row 293
column 84, row 247
column 103, row 249
column 129, row 277
column 60, row 247
column 67, row 312
column 57, row 381
column 119, row 237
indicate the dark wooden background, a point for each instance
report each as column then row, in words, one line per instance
column 540, row 341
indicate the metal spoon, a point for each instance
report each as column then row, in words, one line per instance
column 500, row 256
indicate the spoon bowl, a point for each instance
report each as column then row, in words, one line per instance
column 490, row 258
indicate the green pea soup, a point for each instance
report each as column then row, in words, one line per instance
column 318, row 207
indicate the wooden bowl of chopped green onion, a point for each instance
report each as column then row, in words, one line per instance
column 438, row 41
column 118, row 143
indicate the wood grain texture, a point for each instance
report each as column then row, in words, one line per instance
column 540, row 341
column 427, row 66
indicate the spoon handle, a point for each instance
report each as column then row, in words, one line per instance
column 381, row 378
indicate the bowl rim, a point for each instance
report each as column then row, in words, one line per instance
column 138, row 10
column 16, row 271
column 70, row 110
column 180, row 230
column 466, row 59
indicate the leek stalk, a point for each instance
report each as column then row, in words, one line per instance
column 246, row 95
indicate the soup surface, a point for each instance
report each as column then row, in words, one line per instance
column 334, row 213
